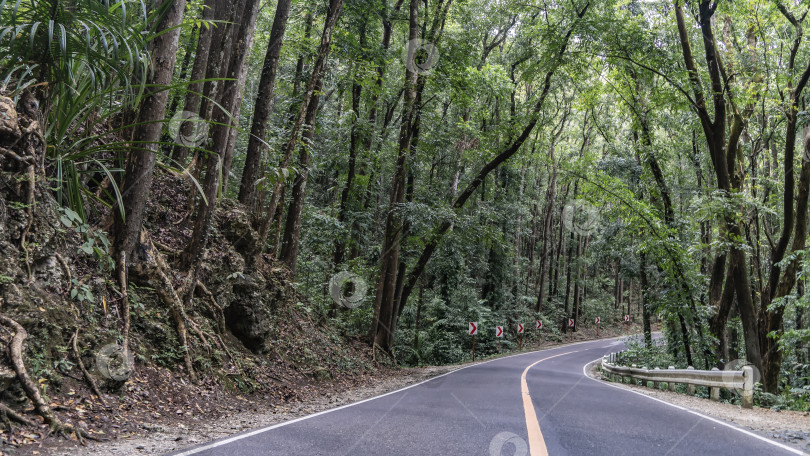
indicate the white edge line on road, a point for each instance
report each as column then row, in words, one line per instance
column 323, row 412
column 693, row 412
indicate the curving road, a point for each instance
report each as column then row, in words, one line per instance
column 537, row 403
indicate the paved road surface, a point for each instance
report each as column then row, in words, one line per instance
column 485, row 410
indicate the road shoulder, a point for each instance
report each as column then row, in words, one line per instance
column 787, row 427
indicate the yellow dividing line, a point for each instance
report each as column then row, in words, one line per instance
column 537, row 446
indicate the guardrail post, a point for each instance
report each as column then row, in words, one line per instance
column 671, row 385
column 656, row 385
column 714, row 392
column 748, row 387
column 690, row 388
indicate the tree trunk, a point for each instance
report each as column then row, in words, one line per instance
column 314, row 81
column 382, row 332
column 567, row 299
column 184, row 68
column 645, row 305
column 723, row 148
column 551, row 196
column 192, row 255
column 292, row 226
column 292, row 233
column 232, row 88
column 192, row 102
column 141, row 162
column 264, row 105
column 357, row 91
column 577, row 296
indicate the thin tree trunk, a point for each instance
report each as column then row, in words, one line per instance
column 184, row 68
column 314, row 81
column 551, row 195
column 234, row 39
column 381, row 330
column 264, row 104
column 192, row 101
column 575, row 310
column 645, row 305
column 140, row 165
column 292, row 233
column 357, row 91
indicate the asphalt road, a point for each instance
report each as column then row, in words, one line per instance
column 484, row 410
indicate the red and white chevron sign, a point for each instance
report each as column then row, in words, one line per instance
column 627, row 318
column 499, row 331
column 598, row 320
column 539, row 325
column 473, row 328
column 520, row 328
column 570, row 322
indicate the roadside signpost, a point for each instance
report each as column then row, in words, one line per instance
column 520, row 331
column 499, row 335
column 597, row 326
column 539, row 326
column 627, row 324
column 571, row 329
column 473, row 330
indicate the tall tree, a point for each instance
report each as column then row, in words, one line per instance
column 310, row 96
column 238, row 40
column 146, row 135
column 264, row 104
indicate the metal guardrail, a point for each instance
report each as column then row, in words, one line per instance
column 714, row 379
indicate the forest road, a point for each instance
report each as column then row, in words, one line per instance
column 483, row 409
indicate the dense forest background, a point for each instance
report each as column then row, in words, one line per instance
column 409, row 166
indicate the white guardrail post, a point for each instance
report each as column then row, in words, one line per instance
column 748, row 387
column 714, row 379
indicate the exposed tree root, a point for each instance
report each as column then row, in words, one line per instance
column 166, row 248
column 65, row 268
column 376, row 347
column 196, row 330
column 93, row 385
column 153, row 267
column 10, row 154
column 15, row 416
column 193, row 169
column 29, row 201
column 224, row 347
column 216, row 309
column 105, row 185
column 31, row 389
column 123, row 307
